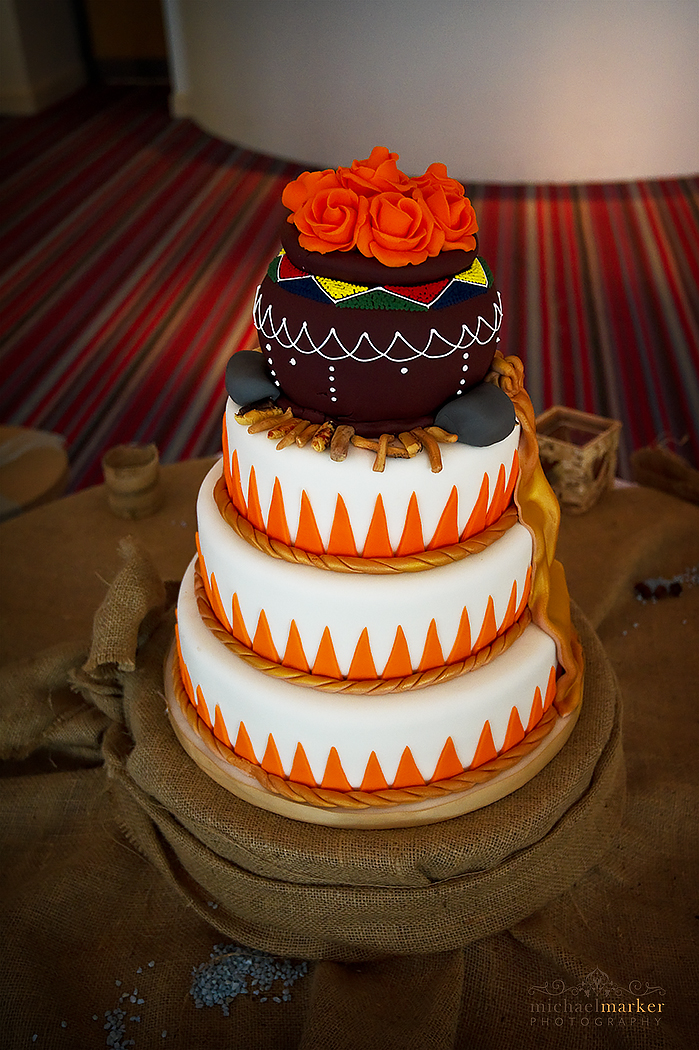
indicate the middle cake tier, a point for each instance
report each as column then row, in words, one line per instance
column 359, row 625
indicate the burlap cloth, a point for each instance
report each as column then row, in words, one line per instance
column 124, row 864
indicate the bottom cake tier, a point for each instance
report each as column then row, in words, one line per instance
column 343, row 741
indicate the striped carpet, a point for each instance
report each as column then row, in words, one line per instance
column 132, row 245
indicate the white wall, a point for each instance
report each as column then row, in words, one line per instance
column 500, row 90
column 40, row 59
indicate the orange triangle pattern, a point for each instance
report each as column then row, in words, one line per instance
column 301, row 771
column 497, row 505
column 184, row 671
column 550, row 689
column 512, row 480
column 186, row 678
column 525, row 593
column 203, row 571
column 462, row 645
column 202, row 565
column 271, row 761
column 489, row 627
column 374, row 780
column 277, row 526
column 485, row 752
column 334, row 778
column 399, row 664
column 476, row 522
column 411, row 541
column 447, row 531
column 537, row 711
column 448, row 764
column 407, row 774
column 294, row 655
column 432, row 655
column 515, row 731
column 341, row 536
column 308, row 534
column 217, row 605
column 238, row 628
column 511, row 611
column 262, row 643
column 378, row 543
column 236, row 487
column 220, row 730
column 326, row 661
column 254, row 509
column 362, row 665
column 243, row 745
column 227, row 476
column 202, row 708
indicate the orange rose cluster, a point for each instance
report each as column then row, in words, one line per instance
column 376, row 208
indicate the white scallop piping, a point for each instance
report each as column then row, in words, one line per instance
column 282, row 336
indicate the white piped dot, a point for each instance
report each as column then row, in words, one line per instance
column 277, row 383
column 459, row 393
column 272, row 372
column 464, row 368
column 466, row 356
column 332, row 389
column 333, row 399
column 292, row 361
column 403, row 371
column 462, row 382
column 331, row 368
column 268, row 346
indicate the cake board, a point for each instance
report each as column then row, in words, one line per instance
column 234, row 778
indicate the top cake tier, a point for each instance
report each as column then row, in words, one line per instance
column 380, row 358
column 378, row 311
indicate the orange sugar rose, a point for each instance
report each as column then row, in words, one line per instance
column 455, row 217
column 330, row 221
column 377, row 174
column 452, row 210
column 436, row 178
column 309, row 183
column 400, row 230
column 376, row 208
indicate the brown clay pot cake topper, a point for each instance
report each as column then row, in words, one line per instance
column 378, row 313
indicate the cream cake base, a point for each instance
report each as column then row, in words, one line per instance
column 409, row 814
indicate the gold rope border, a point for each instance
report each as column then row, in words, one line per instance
column 348, row 563
column 324, row 798
column 358, row 687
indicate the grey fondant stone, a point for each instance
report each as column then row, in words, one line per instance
column 248, row 378
column 481, row 416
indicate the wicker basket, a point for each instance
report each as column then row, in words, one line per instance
column 578, row 453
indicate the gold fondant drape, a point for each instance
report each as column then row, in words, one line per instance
column 540, row 513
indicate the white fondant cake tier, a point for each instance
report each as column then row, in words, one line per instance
column 444, row 613
column 471, row 483
column 266, row 719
